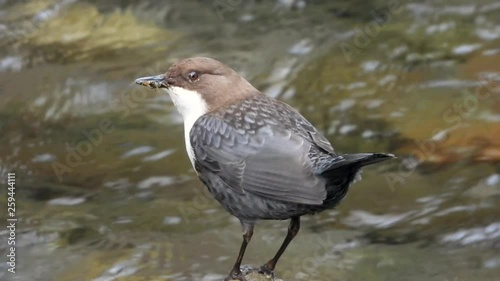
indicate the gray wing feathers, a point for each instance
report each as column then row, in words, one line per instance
column 280, row 170
column 273, row 164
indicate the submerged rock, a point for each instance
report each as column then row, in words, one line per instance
column 81, row 32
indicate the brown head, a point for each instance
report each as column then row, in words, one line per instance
column 199, row 85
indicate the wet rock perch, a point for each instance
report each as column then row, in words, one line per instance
column 253, row 274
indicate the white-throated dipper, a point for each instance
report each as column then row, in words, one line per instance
column 259, row 157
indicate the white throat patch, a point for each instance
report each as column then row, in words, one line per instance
column 191, row 106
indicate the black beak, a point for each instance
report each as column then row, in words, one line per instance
column 157, row 81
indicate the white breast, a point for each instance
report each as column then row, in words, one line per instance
column 191, row 106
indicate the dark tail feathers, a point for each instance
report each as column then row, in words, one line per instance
column 357, row 160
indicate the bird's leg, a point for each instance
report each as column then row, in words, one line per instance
column 235, row 273
column 293, row 229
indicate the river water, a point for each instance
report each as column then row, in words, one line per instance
column 105, row 191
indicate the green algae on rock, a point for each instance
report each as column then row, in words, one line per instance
column 81, row 32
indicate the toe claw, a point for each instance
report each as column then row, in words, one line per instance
column 235, row 275
column 266, row 271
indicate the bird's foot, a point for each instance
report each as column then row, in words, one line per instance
column 266, row 271
column 235, row 275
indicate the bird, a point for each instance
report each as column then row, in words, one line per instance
column 258, row 157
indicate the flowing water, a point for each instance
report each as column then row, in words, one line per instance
column 105, row 191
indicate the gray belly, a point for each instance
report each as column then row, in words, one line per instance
column 248, row 206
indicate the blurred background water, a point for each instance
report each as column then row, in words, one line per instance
column 106, row 192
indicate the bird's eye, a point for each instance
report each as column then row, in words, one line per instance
column 193, row 76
